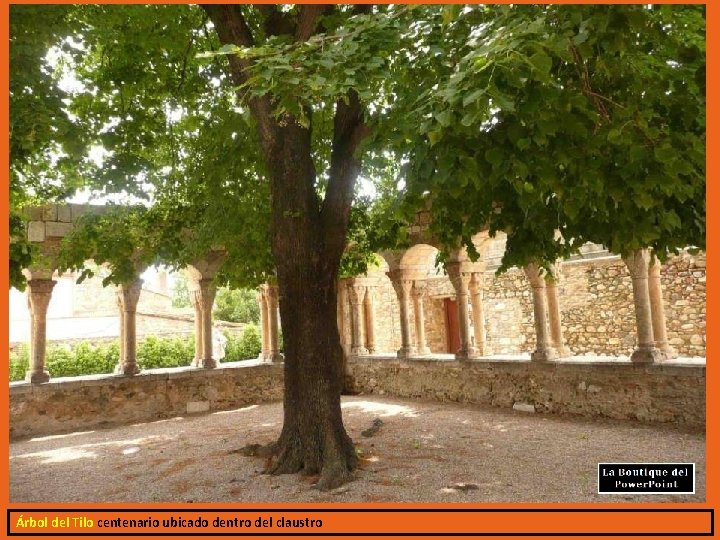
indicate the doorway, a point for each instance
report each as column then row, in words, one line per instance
column 452, row 326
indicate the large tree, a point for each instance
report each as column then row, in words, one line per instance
column 241, row 126
column 248, row 126
column 332, row 54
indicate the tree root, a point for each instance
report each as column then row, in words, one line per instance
column 257, row 450
column 333, row 476
column 288, row 461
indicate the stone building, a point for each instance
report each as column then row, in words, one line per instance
column 599, row 336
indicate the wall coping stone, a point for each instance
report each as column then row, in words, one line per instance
column 158, row 374
column 681, row 366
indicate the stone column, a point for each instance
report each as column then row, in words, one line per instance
column 461, row 283
column 261, row 297
column 198, row 329
column 556, row 334
column 402, row 288
column 476, row 300
column 128, row 295
column 543, row 349
column 274, row 354
column 357, row 299
column 638, row 264
column 207, row 293
column 370, row 321
column 658, row 309
column 343, row 330
column 39, row 292
column 418, row 294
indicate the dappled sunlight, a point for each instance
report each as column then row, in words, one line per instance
column 61, row 436
column 84, row 451
column 59, row 455
column 381, row 409
column 242, row 409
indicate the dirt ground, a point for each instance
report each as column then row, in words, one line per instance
column 423, row 452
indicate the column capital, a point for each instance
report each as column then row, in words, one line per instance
column 272, row 291
column 39, row 294
column 356, row 293
column 638, row 262
column 535, row 275
column 654, row 267
column 419, row 289
column 477, row 282
column 460, row 280
column 128, row 294
column 555, row 275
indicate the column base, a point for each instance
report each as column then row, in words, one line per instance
column 205, row 363
column 563, row 352
column 647, row 355
column 483, row 350
column 466, row 354
column 126, row 369
column 37, row 377
column 423, row 351
column 372, row 350
column 359, row 351
column 667, row 351
column 276, row 358
column 406, row 352
column 543, row 355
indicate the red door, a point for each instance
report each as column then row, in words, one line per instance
column 452, row 328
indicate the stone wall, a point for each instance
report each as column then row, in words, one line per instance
column 91, row 299
column 596, row 304
column 673, row 393
column 82, row 403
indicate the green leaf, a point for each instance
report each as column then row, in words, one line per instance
column 541, row 62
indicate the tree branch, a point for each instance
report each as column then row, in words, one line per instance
column 308, row 20
column 232, row 29
column 275, row 22
column 349, row 131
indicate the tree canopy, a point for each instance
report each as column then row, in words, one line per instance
column 587, row 120
column 260, row 129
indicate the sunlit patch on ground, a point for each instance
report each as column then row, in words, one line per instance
column 409, row 451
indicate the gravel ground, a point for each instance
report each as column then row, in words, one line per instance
column 422, row 452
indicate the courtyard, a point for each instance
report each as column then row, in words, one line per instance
column 424, row 451
column 471, row 241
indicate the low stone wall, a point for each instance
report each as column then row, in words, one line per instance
column 82, row 403
column 670, row 392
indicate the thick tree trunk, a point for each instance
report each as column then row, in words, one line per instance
column 313, row 438
column 308, row 239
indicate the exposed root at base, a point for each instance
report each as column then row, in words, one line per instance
column 334, row 471
column 288, row 461
column 332, row 477
column 257, row 450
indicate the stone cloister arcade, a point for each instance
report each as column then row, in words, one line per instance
column 407, row 271
column 410, row 329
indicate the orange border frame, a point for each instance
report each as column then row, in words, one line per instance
column 575, row 520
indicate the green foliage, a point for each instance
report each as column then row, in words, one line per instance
column 245, row 347
column 180, row 292
column 19, row 362
column 83, row 358
column 236, row 305
column 529, row 119
column 156, row 352
column 587, row 120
